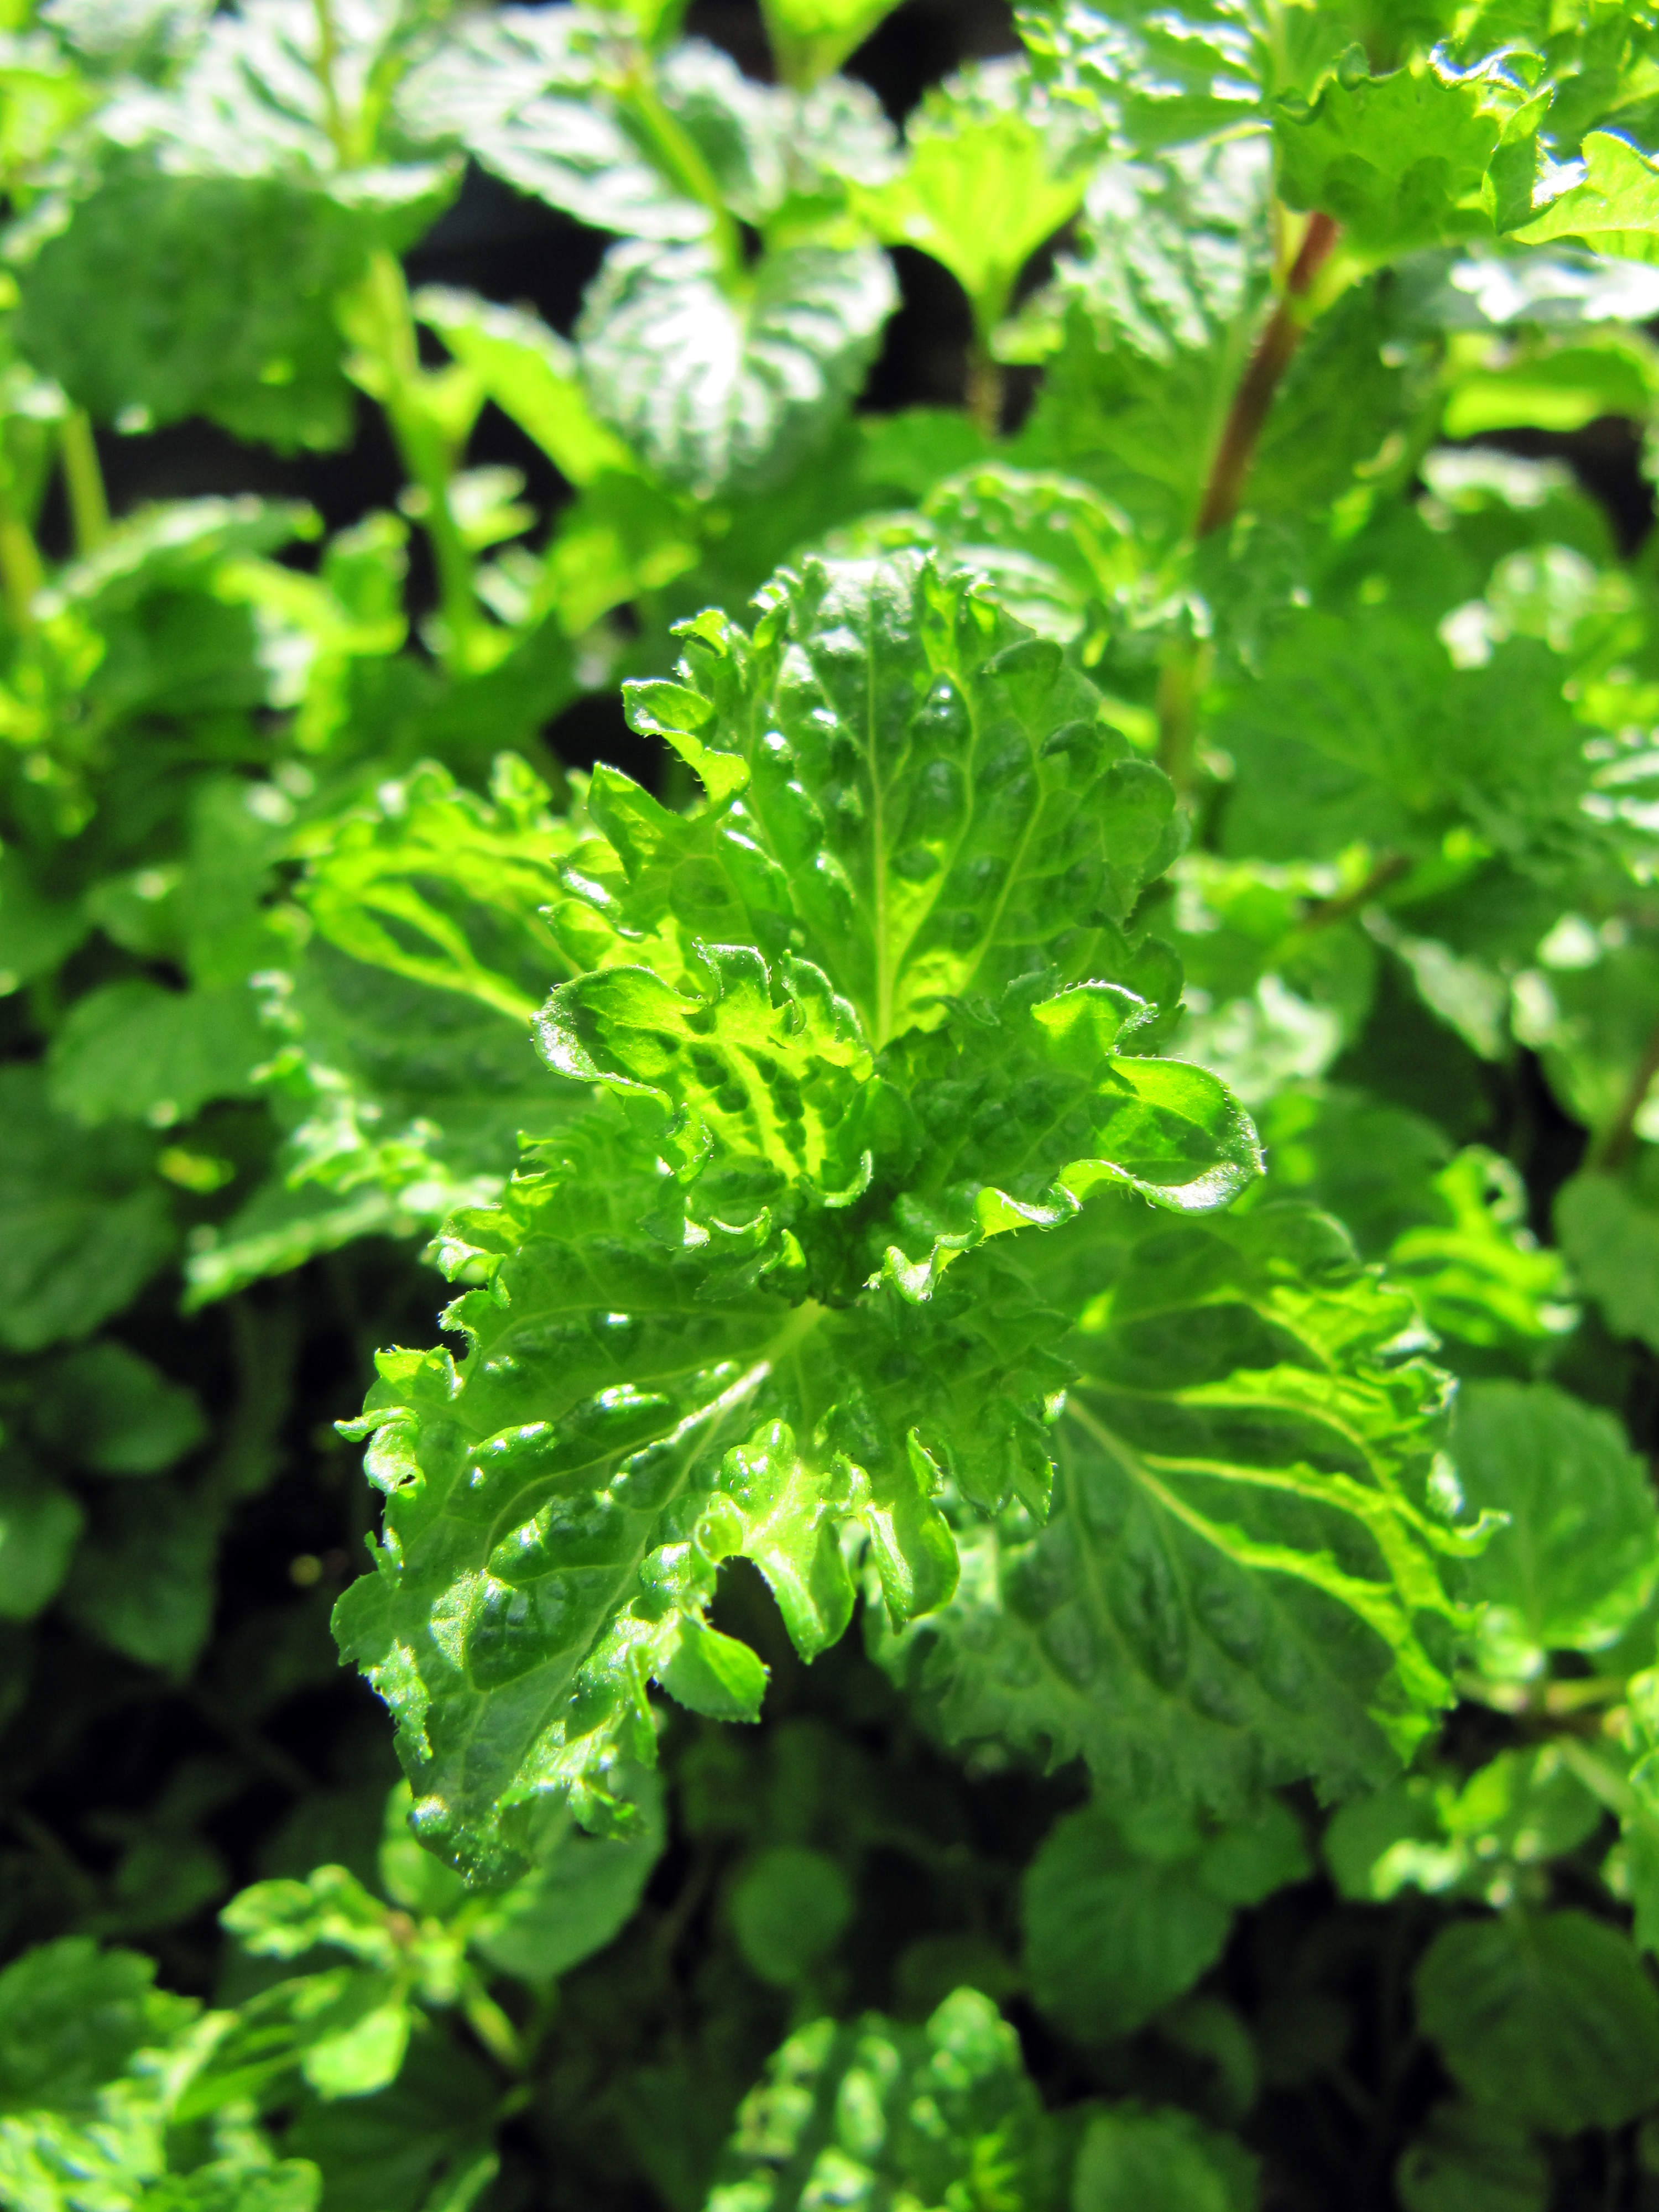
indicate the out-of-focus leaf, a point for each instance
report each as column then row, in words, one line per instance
column 1580, row 1556
column 722, row 391
column 1161, row 2162
column 40, row 1524
column 82, row 1225
column 788, row 1909
column 1471, row 2159
column 136, row 1051
column 107, row 1409
column 811, row 38
column 889, row 2112
column 1122, row 1916
column 143, row 1581
column 993, row 172
column 1547, row 2018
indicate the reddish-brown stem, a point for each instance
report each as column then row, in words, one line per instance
column 1324, row 914
column 1275, row 350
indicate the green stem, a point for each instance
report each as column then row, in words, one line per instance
column 679, row 155
column 491, row 2026
column 83, row 480
column 1180, row 687
column 388, row 330
column 987, row 390
column 328, row 50
column 21, row 573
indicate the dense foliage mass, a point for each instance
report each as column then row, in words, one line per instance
column 1023, row 1575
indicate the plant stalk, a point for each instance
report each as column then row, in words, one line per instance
column 389, row 330
column 1180, row 687
column 986, row 388
column 83, row 481
column 680, row 155
column 1615, row 1144
column 1325, row 913
column 328, row 51
column 21, row 574
column 1274, row 352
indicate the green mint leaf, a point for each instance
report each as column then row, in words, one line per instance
column 892, row 2112
column 143, row 1579
column 138, row 1052
column 36, row 933
column 1060, row 557
column 1019, row 1121
column 72, row 2017
column 788, row 1910
column 1179, row 1623
column 1471, row 2159
column 330, row 1907
column 1609, row 1230
column 215, row 221
column 235, row 232
column 397, row 1051
column 1451, row 1227
column 812, row 37
column 1161, row 2162
column 947, row 810
column 1421, row 755
column 1120, row 1921
column 722, row 389
column 1426, row 1833
column 40, row 1525
column 1412, row 158
column 1547, row 2017
column 1150, row 321
column 1614, row 208
column 581, row 1893
column 106, row 1409
column 680, row 1419
column 1579, row 1558
column 83, row 1225
column 992, row 172
column 532, row 93
column 532, row 375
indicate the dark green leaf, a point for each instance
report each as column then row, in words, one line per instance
column 1470, row 2159
column 788, row 1910
column 107, row 1409
column 1161, row 2162
column 82, row 1225
column 1548, row 2018
column 40, row 1525
column 1121, row 1916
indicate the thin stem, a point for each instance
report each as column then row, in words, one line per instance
column 83, row 480
column 21, row 573
column 1613, row 1147
column 1325, row 913
column 679, row 154
column 986, row 388
column 328, row 52
column 1180, row 687
column 389, row 330
column 1275, row 351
